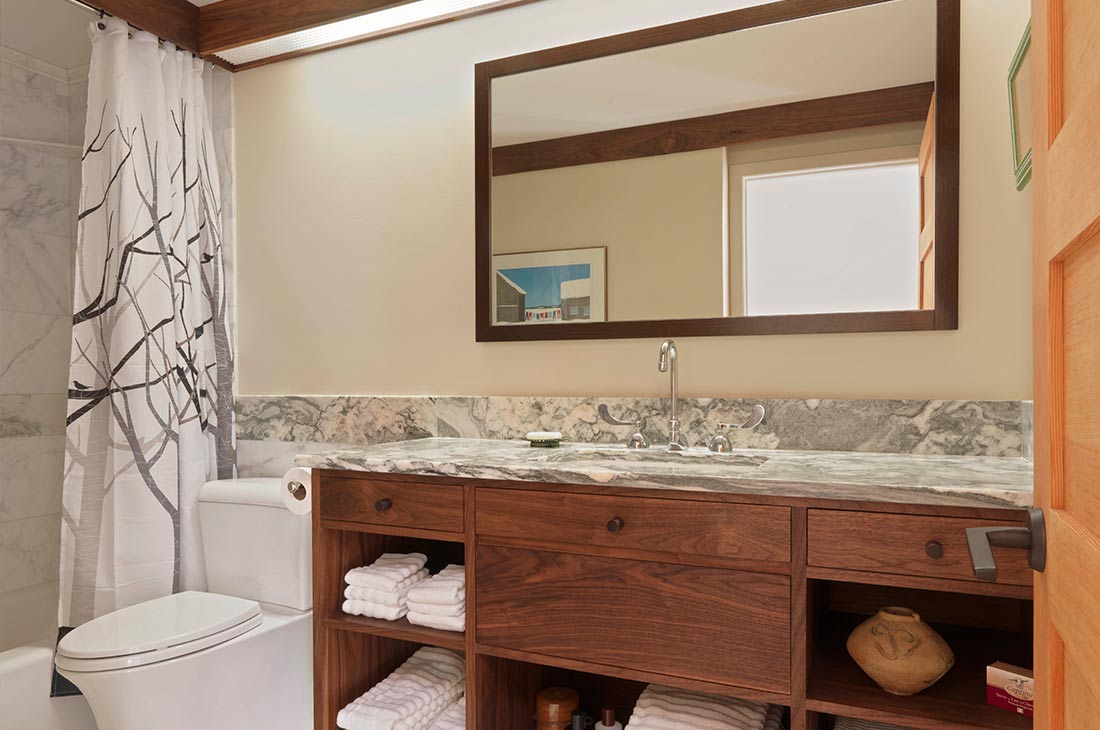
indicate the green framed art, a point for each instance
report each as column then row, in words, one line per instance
column 1019, row 109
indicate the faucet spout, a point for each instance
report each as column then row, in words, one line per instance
column 666, row 363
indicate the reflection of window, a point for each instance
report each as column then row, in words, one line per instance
column 574, row 310
column 837, row 239
column 587, row 311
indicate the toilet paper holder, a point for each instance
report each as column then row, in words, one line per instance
column 297, row 490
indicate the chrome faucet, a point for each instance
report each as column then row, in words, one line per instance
column 666, row 363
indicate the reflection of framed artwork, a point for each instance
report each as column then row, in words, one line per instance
column 550, row 287
column 1019, row 108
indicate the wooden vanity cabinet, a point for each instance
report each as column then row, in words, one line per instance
column 608, row 589
column 932, row 546
column 660, row 528
column 710, row 625
column 388, row 503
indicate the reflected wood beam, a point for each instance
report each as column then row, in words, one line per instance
column 754, row 16
column 176, row 21
column 848, row 111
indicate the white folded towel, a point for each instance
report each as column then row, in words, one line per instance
column 774, row 718
column 453, row 718
column 412, row 697
column 444, row 623
column 374, row 610
column 666, row 708
column 437, row 609
column 388, row 572
column 448, row 587
column 390, row 598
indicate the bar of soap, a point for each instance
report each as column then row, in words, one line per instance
column 544, row 438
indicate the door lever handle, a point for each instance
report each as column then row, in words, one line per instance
column 1032, row 538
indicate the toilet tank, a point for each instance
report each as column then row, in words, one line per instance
column 253, row 546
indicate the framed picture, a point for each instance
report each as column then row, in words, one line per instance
column 550, row 287
column 1019, row 109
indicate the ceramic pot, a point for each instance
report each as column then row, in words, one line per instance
column 900, row 652
column 554, row 708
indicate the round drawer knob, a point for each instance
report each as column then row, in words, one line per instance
column 615, row 524
column 934, row 549
column 383, row 504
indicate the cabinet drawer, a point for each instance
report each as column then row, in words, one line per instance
column 396, row 504
column 711, row 624
column 711, row 529
column 888, row 543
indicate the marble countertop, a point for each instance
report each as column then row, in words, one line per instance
column 973, row 481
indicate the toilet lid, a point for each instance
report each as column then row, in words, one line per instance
column 149, row 631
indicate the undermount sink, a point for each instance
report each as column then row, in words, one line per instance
column 654, row 454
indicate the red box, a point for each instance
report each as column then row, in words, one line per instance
column 1010, row 688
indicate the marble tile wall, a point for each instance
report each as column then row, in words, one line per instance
column 270, row 430
column 41, row 126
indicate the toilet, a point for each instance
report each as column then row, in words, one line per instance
column 237, row 656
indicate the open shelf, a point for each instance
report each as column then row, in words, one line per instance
column 400, row 629
column 957, row 702
column 631, row 675
column 507, row 687
column 354, row 653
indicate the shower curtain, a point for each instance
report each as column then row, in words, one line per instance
column 151, row 375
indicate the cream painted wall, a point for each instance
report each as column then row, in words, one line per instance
column 356, row 233
column 661, row 219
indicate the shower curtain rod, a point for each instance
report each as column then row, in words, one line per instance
column 87, row 7
column 104, row 14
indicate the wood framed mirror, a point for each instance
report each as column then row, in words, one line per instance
column 790, row 167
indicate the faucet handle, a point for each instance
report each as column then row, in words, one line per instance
column 751, row 422
column 605, row 414
column 637, row 439
column 721, row 442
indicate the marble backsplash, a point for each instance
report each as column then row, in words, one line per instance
column 271, row 429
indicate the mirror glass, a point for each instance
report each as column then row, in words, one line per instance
column 783, row 169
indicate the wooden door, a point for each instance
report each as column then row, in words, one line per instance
column 1066, row 190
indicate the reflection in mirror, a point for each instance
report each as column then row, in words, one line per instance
column 781, row 169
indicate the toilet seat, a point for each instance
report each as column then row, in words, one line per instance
column 157, row 630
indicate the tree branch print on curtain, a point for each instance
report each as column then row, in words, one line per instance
column 151, row 388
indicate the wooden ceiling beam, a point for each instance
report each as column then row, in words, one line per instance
column 176, row 21
column 233, row 23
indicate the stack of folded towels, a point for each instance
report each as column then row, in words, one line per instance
column 665, row 708
column 440, row 601
column 379, row 590
column 453, row 718
column 413, row 697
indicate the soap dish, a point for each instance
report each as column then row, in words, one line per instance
column 545, row 439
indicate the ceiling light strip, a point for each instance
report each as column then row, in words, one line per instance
column 382, row 22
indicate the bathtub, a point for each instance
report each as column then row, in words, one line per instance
column 25, row 701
